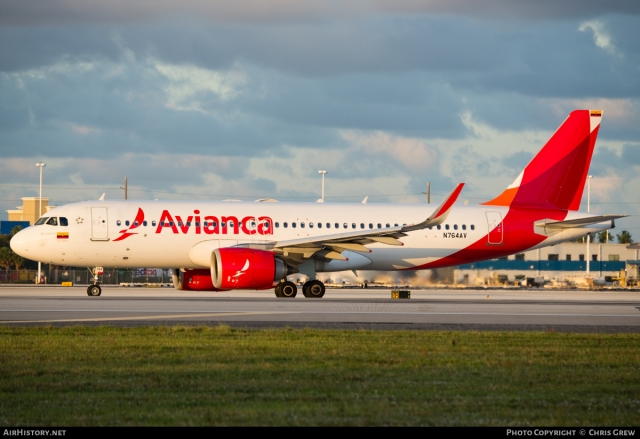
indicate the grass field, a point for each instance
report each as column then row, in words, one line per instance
column 223, row 376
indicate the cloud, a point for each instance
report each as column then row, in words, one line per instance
column 61, row 12
column 189, row 85
column 601, row 36
column 412, row 154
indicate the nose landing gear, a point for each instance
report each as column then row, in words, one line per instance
column 95, row 290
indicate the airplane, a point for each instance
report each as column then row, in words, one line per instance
column 230, row 245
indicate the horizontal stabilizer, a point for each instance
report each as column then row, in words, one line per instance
column 580, row 222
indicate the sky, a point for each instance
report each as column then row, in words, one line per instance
column 246, row 100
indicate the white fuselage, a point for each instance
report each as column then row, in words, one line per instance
column 102, row 233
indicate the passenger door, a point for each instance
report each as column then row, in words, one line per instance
column 99, row 224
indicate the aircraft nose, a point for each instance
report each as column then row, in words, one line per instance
column 20, row 243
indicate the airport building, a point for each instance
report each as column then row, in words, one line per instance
column 566, row 262
column 29, row 210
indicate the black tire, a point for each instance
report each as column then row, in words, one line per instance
column 94, row 290
column 278, row 290
column 288, row 289
column 313, row 289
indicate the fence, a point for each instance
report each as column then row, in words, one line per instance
column 83, row 276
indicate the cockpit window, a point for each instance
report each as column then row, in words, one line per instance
column 63, row 221
column 41, row 221
column 53, row 221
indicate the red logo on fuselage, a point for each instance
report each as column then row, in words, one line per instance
column 209, row 225
column 136, row 223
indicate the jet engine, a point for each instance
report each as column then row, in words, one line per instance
column 234, row 268
column 239, row 268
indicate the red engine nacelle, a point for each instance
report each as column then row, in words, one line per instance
column 245, row 269
column 196, row 280
column 234, row 269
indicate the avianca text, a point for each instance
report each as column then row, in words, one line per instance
column 212, row 225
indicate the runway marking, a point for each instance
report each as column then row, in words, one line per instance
column 101, row 319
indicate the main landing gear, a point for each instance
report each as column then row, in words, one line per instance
column 313, row 289
column 286, row 289
column 95, row 290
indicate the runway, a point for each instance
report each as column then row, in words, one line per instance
column 531, row 309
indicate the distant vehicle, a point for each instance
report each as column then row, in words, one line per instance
column 219, row 246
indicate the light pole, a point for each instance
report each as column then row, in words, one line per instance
column 40, row 165
column 588, row 256
column 323, row 173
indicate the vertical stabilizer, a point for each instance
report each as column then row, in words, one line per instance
column 556, row 176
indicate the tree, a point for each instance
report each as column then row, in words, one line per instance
column 6, row 258
column 602, row 237
column 17, row 260
column 624, row 237
column 15, row 230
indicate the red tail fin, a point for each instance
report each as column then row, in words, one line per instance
column 556, row 176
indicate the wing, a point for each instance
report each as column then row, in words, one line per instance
column 295, row 251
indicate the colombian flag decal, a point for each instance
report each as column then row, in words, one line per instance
column 63, row 235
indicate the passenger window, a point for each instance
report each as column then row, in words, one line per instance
column 197, row 223
column 319, row 225
column 162, row 223
column 337, row 225
column 63, row 221
column 455, row 227
column 285, row 225
column 293, row 225
column 302, row 225
column 266, row 225
column 362, row 225
column 277, row 225
column 179, row 223
column 379, row 225
column 136, row 224
column 253, row 224
column 215, row 224
column 53, row 221
column 473, row 227
column 188, row 223
column 118, row 223
column 446, row 226
column 353, row 225
column 225, row 224
column 311, row 225
column 395, row 225
column 388, row 225
column 144, row 223
column 170, row 223
column 439, row 227
column 464, row 227
column 370, row 226
column 127, row 223
column 345, row 225
column 41, row 221
column 153, row 223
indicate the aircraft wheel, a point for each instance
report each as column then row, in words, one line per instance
column 288, row 289
column 278, row 290
column 313, row 289
column 94, row 290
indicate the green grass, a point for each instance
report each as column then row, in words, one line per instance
column 223, row 376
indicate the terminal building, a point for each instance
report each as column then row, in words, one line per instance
column 30, row 210
column 566, row 262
